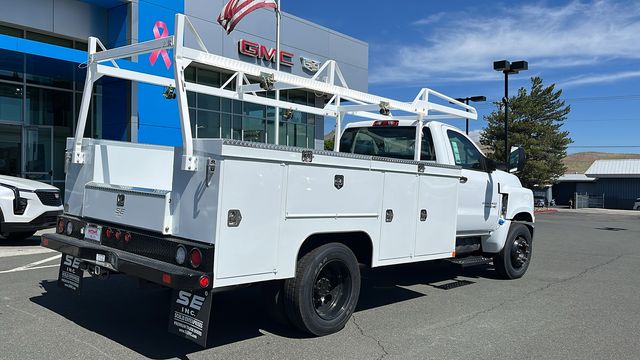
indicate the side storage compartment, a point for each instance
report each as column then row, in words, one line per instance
column 250, row 214
column 438, row 213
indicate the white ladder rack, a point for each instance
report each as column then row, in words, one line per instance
column 333, row 85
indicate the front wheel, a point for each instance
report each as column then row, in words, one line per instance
column 325, row 291
column 513, row 261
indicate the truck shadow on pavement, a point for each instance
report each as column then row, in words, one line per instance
column 31, row 242
column 137, row 318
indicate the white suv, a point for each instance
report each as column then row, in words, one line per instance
column 636, row 206
column 27, row 206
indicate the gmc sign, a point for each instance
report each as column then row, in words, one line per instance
column 259, row 51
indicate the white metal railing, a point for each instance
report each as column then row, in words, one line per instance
column 343, row 100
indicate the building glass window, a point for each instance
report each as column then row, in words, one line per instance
column 11, row 65
column 208, row 124
column 10, row 102
column 53, row 40
column 10, row 149
column 49, row 107
column 214, row 117
column 50, row 72
column 42, row 97
column 11, row 31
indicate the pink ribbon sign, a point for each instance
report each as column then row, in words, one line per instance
column 160, row 26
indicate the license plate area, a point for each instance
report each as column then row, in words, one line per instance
column 93, row 233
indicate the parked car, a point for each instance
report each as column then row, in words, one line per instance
column 27, row 206
column 539, row 201
column 636, row 206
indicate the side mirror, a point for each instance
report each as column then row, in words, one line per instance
column 517, row 160
column 490, row 165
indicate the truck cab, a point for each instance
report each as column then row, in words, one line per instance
column 487, row 196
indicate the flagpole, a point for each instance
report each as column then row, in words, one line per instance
column 277, row 113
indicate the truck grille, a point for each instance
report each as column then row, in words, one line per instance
column 49, row 198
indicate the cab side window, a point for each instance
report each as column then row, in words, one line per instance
column 464, row 152
column 428, row 152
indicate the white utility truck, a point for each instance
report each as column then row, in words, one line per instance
column 218, row 213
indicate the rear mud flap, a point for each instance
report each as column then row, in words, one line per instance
column 190, row 314
column 70, row 274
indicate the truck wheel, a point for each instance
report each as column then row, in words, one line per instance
column 325, row 291
column 19, row 235
column 512, row 262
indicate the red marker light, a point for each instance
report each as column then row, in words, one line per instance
column 45, row 242
column 166, row 279
column 127, row 237
column 118, row 235
column 204, row 281
column 108, row 233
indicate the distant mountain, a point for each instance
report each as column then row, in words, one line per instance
column 580, row 162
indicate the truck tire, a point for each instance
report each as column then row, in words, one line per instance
column 20, row 235
column 325, row 291
column 513, row 261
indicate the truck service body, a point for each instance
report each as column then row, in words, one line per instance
column 218, row 213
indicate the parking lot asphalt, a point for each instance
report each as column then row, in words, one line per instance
column 580, row 299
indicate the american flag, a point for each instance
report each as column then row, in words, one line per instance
column 235, row 10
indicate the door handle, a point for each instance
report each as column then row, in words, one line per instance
column 463, row 179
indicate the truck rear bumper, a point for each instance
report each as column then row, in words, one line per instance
column 156, row 271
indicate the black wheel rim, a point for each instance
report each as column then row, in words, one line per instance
column 331, row 290
column 520, row 252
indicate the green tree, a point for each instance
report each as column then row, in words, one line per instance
column 535, row 123
column 328, row 144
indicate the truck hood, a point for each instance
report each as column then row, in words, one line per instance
column 25, row 184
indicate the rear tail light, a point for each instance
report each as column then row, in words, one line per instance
column 60, row 227
column 204, row 281
column 386, row 123
column 108, row 233
column 195, row 257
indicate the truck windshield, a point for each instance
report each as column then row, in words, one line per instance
column 396, row 142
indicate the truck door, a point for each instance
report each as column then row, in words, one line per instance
column 477, row 200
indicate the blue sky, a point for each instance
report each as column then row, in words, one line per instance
column 590, row 49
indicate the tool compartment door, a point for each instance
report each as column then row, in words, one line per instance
column 398, row 216
column 254, row 188
column 437, row 215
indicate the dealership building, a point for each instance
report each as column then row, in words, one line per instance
column 43, row 46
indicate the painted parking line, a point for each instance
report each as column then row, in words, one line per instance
column 34, row 265
column 17, row 251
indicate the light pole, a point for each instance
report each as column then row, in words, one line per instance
column 508, row 68
column 466, row 101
